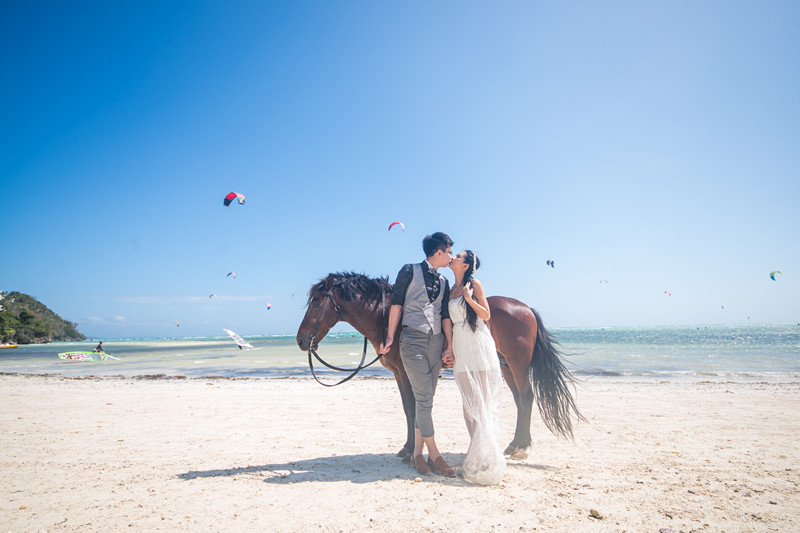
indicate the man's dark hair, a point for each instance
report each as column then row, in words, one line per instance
column 437, row 241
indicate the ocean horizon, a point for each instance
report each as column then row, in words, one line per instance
column 748, row 352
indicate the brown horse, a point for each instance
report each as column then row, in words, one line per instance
column 529, row 359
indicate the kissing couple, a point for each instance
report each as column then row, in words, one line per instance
column 444, row 327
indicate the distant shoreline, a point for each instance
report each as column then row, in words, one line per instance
column 355, row 334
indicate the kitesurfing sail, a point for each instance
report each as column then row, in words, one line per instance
column 231, row 196
column 85, row 356
column 243, row 344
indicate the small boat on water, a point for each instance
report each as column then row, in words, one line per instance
column 84, row 356
column 8, row 345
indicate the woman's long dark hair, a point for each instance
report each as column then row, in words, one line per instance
column 473, row 263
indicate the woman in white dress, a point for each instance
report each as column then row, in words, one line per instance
column 477, row 372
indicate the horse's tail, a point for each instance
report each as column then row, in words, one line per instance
column 552, row 384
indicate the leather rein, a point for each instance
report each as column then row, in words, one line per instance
column 353, row 371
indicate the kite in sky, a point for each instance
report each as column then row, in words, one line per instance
column 231, row 274
column 668, row 293
column 402, row 226
column 772, row 274
column 177, row 324
column 551, row 263
column 269, row 306
column 603, row 281
column 212, row 295
column 231, row 196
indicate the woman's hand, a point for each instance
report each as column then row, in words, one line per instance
column 468, row 291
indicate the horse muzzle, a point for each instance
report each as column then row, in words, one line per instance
column 305, row 343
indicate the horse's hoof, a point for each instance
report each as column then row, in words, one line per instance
column 405, row 454
column 515, row 452
column 519, row 455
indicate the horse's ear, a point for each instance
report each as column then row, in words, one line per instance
column 328, row 282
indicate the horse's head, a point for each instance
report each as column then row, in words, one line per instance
column 322, row 313
column 347, row 296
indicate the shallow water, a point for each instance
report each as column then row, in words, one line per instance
column 759, row 352
column 740, row 353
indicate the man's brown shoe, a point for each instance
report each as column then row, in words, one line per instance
column 441, row 468
column 422, row 466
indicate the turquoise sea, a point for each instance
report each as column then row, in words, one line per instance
column 712, row 353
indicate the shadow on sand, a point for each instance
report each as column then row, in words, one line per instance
column 362, row 468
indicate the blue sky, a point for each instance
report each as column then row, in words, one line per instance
column 653, row 145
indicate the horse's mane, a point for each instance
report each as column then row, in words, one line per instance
column 353, row 286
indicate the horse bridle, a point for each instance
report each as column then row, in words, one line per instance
column 353, row 371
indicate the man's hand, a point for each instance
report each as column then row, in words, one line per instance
column 386, row 345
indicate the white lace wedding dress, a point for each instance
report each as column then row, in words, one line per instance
column 477, row 374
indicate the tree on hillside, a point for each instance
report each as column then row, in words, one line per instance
column 25, row 320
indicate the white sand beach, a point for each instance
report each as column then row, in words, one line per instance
column 290, row 455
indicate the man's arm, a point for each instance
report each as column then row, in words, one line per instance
column 447, row 355
column 396, row 309
column 445, row 314
column 394, row 320
column 401, row 285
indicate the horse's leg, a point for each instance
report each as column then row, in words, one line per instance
column 391, row 361
column 409, row 408
column 517, row 373
column 509, row 379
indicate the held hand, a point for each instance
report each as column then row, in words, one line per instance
column 386, row 346
column 447, row 358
